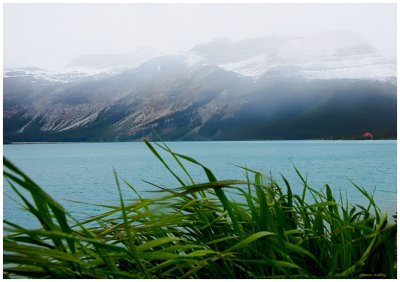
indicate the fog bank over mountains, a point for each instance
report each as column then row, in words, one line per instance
column 329, row 85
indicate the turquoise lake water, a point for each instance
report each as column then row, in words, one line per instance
column 84, row 171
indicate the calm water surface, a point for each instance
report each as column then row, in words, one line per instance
column 83, row 171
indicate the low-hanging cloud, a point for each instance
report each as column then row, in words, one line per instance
column 52, row 35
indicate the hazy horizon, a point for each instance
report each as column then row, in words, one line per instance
column 52, row 35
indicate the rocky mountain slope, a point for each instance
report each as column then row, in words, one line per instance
column 332, row 85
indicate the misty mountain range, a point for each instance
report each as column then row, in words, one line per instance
column 331, row 85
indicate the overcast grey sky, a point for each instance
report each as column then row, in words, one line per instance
column 51, row 35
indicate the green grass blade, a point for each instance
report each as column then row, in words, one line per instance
column 132, row 247
column 157, row 242
column 245, row 242
column 154, row 151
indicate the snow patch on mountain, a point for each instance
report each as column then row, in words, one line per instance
column 21, row 130
column 329, row 55
column 250, row 67
column 82, row 122
column 64, row 76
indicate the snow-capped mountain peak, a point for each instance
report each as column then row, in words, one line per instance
column 327, row 55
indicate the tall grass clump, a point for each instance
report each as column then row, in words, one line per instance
column 198, row 231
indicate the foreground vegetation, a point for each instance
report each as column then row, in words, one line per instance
column 198, row 231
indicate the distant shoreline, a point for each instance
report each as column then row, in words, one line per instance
column 136, row 141
column 24, row 143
